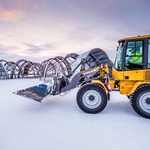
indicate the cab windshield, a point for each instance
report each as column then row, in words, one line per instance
column 118, row 60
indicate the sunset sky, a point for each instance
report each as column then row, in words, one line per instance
column 40, row 29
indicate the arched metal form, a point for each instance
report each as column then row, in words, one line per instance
column 3, row 72
column 24, row 68
column 56, row 67
column 50, row 63
column 69, row 60
column 9, row 65
column 31, row 69
column 59, row 65
column 97, row 57
column 45, row 62
column 7, row 68
column 43, row 66
column 3, row 61
column 16, row 70
column 51, row 67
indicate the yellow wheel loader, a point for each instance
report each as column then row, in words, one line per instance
column 96, row 76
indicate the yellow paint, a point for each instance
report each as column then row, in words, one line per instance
column 135, row 38
column 117, row 74
column 99, row 82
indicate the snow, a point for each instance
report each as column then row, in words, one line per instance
column 57, row 123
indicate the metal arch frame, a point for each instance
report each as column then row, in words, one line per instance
column 35, row 67
column 103, row 58
column 32, row 66
column 9, row 65
column 43, row 66
column 53, row 64
column 21, row 64
column 3, row 61
column 15, row 70
column 58, row 63
column 19, row 68
column 67, row 61
column 2, row 69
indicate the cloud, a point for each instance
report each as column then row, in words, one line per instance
column 33, row 48
column 37, row 48
column 11, row 10
column 7, row 49
column 54, row 27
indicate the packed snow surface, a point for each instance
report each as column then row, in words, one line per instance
column 58, row 124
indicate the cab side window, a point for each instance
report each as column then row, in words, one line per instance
column 134, row 52
column 148, row 53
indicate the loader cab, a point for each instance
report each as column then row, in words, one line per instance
column 133, row 58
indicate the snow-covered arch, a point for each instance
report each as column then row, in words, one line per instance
column 25, row 68
column 59, row 64
column 3, row 72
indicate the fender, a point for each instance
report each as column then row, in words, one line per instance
column 101, row 83
column 136, row 85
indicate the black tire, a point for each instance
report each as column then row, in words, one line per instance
column 140, row 101
column 91, row 98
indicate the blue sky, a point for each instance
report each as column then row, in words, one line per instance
column 40, row 29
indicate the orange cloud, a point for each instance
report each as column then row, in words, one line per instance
column 10, row 15
column 10, row 11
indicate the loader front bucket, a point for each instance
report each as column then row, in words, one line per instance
column 36, row 93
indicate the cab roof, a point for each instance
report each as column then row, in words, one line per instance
column 135, row 38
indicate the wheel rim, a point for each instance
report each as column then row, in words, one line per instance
column 92, row 99
column 144, row 102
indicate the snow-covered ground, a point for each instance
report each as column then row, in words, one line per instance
column 58, row 124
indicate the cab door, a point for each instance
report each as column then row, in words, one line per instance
column 134, row 60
